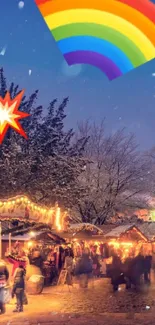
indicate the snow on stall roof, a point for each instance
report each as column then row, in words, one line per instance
column 107, row 228
column 39, row 235
column 24, row 237
column 148, row 229
column 85, row 226
column 119, row 230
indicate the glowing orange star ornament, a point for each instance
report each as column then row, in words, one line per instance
column 10, row 116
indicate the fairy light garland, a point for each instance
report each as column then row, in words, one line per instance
column 17, row 259
column 23, row 199
column 52, row 215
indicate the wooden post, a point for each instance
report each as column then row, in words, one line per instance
column 9, row 238
column 9, row 243
column 0, row 240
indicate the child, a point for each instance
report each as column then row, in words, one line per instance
column 19, row 287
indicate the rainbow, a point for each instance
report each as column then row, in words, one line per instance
column 115, row 36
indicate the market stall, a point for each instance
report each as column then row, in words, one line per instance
column 19, row 217
column 124, row 239
column 38, row 252
column 148, row 229
column 85, row 236
column 125, row 247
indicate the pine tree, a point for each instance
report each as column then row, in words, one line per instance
column 3, row 88
column 47, row 166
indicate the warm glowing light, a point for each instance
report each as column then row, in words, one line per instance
column 29, row 244
column 47, row 214
column 113, row 243
column 32, row 233
column 118, row 244
column 57, row 222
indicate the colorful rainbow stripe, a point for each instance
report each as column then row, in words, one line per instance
column 114, row 35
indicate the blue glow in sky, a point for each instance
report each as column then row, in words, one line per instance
column 126, row 102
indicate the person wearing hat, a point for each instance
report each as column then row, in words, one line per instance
column 19, row 287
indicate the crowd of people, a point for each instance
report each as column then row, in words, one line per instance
column 131, row 270
column 83, row 267
column 134, row 269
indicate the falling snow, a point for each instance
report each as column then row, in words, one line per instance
column 21, row 4
column 3, row 51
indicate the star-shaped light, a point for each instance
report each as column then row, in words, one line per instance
column 9, row 115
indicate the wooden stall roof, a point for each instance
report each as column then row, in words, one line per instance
column 120, row 231
column 49, row 236
column 85, row 227
column 107, row 228
column 23, row 227
column 43, row 236
column 82, row 237
column 83, row 231
column 148, row 229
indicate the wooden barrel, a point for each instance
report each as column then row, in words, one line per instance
column 34, row 280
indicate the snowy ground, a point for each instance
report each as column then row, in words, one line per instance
column 97, row 305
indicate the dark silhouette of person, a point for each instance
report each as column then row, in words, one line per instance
column 19, row 287
column 4, row 276
column 147, row 268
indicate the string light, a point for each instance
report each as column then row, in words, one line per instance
column 25, row 200
column 44, row 212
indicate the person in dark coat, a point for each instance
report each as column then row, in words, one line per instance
column 116, row 271
column 136, row 270
column 147, row 268
column 96, row 264
column 4, row 276
column 84, row 269
column 19, row 287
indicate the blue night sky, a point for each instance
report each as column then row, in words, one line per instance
column 128, row 101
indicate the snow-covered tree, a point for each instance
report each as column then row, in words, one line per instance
column 47, row 165
column 116, row 176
